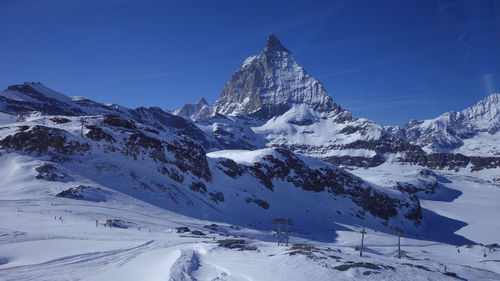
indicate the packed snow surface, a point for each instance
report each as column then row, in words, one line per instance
column 44, row 237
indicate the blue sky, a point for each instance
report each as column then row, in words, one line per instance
column 390, row 61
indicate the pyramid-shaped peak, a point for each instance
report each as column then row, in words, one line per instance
column 203, row 101
column 274, row 44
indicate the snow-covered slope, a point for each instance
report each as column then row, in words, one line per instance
column 474, row 131
column 45, row 237
column 160, row 158
column 230, row 133
column 47, row 233
column 313, row 133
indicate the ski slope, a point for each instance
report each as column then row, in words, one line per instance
column 36, row 245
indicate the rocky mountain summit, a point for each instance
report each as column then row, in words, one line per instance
column 271, row 83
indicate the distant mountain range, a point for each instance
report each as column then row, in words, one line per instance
column 272, row 101
column 257, row 146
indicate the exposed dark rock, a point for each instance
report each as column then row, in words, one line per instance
column 144, row 141
column 347, row 266
column 304, row 122
column 60, row 120
column 83, row 192
column 159, row 119
column 263, row 204
column 348, row 130
column 451, row 161
column 116, row 223
column 172, row 173
column 355, row 161
column 139, row 143
column 49, row 172
column 198, row 187
column 116, row 121
column 182, row 229
column 156, row 132
column 41, row 139
column 191, row 157
column 415, row 211
column 451, row 274
column 427, row 188
column 263, row 178
column 231, row 243
column 417, row 266
column 216, row 196
column 231, row 168
column 479, row 163
column 212, row 226
column 96, row 133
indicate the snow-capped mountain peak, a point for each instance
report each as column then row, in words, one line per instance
column 191, row 109
column 203, row 101
column 457, row 131
column 269, row 84
column 487, row 109
column 273, row 44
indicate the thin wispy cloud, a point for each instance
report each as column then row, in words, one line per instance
column 357, row 69
column 404, row 58
column 145, row 76
column 153, row 75
column 390, row 103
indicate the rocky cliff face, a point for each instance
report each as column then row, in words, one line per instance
column 270, row 83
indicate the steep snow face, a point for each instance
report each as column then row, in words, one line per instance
column 230, row 133
column 460, row 132
column 270, row 83
column 317, row 134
